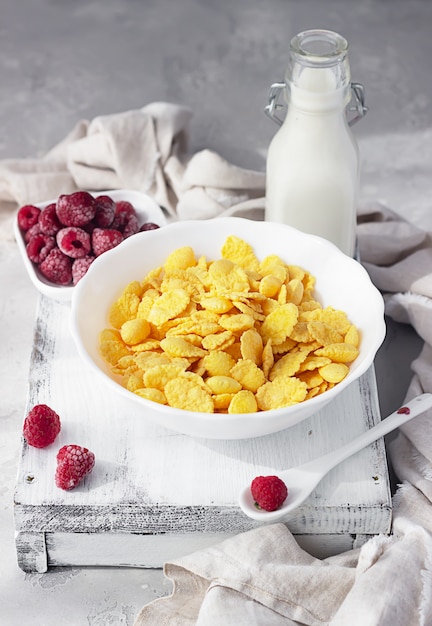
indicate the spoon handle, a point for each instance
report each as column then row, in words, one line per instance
column 410, row 410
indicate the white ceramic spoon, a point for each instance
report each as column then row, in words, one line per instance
column 303, row 479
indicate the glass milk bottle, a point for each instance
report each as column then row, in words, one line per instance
column 313, row 161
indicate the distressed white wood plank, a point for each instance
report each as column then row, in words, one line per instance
column 148, row 479
column 152, row 551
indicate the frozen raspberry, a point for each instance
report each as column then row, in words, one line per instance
column 57, row 267
column 120, row 220
column 48, row 220
column 34, row 230
column 123, row 206
column 131, row 226
column 27, row 216
column 76, row 209
column 74, row 242
column 39, row 247
column 41, row 426
column 105, row 211
column 148, row 226
column 103, row 240
column 73, row 464
column 269, row 492
column 80, row 267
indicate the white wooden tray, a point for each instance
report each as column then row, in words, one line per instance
column 155, row 495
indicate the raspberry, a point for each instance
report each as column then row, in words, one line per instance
column 48, row 221
column 74, row 242
column 269, row 492
column 105, row 211
column 103, row 240
column 80, row 267
column 39, row 247
column 57, row 267
column 131, row 226
column 123, row 206
column 27, row 216
column 120, row 220
column 76, row 209
column 34, row 230
column 148, row 226
column 41, row 426
column 73, row 464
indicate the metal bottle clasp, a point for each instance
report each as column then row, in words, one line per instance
column 357, row 96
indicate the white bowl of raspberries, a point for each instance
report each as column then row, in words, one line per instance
column 60, row 239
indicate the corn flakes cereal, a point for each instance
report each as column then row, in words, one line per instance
column 134, row 381
column 288, row 365
column 339, row 352
column 135, row 331
column 223, row 384
column 168, row 305
column 240, row 253
column 218, row 341
column 334, row 372
column 352, row 336
column 281, row 392
column 218, row 363
column 216, row 304
column 312, row 379
column 180, row 259
column 267, row 358
column 155, row 395
column 254, row 309
column 324, row 333
column 177, row 346
column 113, row 350
column 313, row 362
column 158, row 376
column 248, row 374
column 182, row 393
column 243, row 401
column 228, row 277
column 230, row 335
column 270, row 285
column 237, row 323
column 251, row 345
column 295, row 291
column 221, row 401
column 279, row 324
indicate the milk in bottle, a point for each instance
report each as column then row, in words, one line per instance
column 313, row 162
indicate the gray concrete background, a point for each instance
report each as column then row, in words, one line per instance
column 64, row 60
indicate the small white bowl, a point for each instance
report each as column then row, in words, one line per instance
column 341, row 282
column 146, row 209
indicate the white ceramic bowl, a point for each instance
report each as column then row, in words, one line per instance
column 341, row 282
column 147, row 211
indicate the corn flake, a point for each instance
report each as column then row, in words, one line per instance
column 248, row 374
column 339, row 352
column 279, row 324
column 243, row 401
column 185, row 394
column 280, row 393
column 251, row 345
column 240, row 252
column 223, row 384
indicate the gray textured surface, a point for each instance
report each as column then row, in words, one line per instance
column 61, row 61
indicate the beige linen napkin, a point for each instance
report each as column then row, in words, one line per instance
column 263, row 577
column 145, row 150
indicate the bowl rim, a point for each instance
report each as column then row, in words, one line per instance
column 315, row 403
